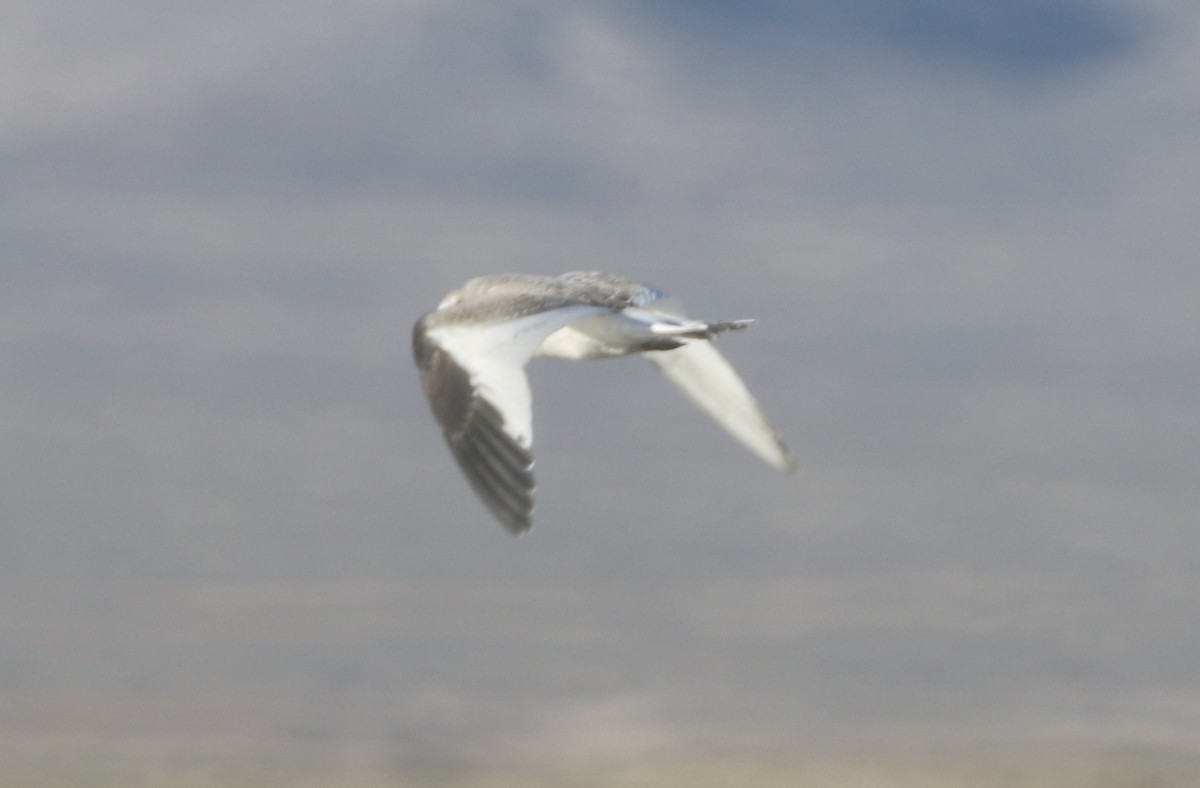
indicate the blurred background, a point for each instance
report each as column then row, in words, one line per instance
column 234, row 548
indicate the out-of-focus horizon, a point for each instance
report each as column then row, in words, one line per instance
column 233, row 539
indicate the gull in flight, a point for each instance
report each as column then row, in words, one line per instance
column 472, row 351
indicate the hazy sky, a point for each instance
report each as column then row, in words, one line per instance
column 968, row 231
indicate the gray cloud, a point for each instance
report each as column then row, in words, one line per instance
column 971, row 256
column 1018, row 43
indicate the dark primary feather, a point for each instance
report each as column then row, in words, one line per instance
column 499, row 469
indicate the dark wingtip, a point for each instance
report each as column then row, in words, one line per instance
column 519, row 529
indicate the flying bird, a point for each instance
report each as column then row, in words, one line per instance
column 472, row 351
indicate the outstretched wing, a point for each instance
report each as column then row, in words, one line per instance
column 474, row 378
column 707, row 379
